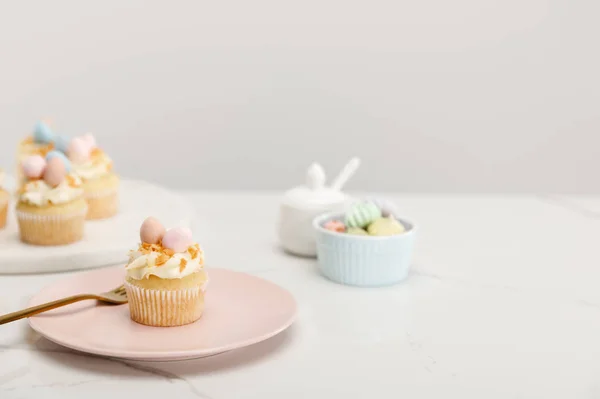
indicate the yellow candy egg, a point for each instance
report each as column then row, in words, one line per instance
column 385, row 227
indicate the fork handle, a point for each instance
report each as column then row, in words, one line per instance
column 7, row 318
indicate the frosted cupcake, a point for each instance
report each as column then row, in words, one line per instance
column 100, row 184
column 4, row 197
column 40, row 142
column 165, row 277
column 50, row 209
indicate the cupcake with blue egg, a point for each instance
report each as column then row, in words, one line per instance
column 40, row 142
column 51, row 209
column 95, row 169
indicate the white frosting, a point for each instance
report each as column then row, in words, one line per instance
column 96, row 167
column 38, row 193
column 143, row 265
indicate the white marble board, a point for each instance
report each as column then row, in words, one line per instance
column 106, row 242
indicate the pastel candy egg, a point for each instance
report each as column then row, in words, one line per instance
column 357, row 231
column 33, row 166
column 61, row 143
column 57, row 154
column 152, row 231
column 55, row 172
column 387, row 207
column 90, row 140
column 362, row 214
column 385, row 227
column 178, row 239
column 335, row 225
column 42, row 133
column 79, row 150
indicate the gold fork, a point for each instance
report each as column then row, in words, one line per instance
column 117, row 296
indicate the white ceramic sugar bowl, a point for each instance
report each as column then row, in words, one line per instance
column 302, row 204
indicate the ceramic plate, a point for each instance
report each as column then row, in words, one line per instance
column 240, row 310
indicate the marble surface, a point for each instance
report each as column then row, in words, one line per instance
column 502, row 302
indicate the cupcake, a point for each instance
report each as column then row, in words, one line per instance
column 100, row 184
column 51, row 209
column 165, row 277
column 40, row 142
column 4, row 197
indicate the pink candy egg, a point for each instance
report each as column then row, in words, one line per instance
column 33, row 166
column 335, row 225
column 90, row 140
column 178, row 239
column 79, row 150
column 55, row 172
column 152, row 231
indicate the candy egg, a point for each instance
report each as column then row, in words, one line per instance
column 357, row 231
column 61, row 143
column 90, row 140
column 57, row 154
column 152, row 231
column 178, row 239
column 55, row 172
column 79, row 150
column 385, row 227
column 335, row 225
column 33, row 166
column 361, row 214
column 42, row 133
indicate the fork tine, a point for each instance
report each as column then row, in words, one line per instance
column 119, row 288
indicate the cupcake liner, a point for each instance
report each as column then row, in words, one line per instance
column 3, row 212
column 51, row 229
column 102, row 204
column 164, row 308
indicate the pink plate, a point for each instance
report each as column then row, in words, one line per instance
column 240, row 310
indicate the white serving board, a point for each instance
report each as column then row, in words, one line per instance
column 106, row 242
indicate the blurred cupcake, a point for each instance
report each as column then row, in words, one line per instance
column 165, row 278
column 100, row 184
column 50, row 209
column 40, row 142
column 4, row 197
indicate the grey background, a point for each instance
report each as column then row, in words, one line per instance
column 433, row 95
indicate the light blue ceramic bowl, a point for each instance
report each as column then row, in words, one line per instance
column 364, row 261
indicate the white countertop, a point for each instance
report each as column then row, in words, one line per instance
column 503, row 302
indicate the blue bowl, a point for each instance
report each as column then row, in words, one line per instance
column 364, row 261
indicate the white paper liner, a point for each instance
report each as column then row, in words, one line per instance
column 3, row 211
column 165, row 308
column 56, row 229
column 45, row 218
column 100, row 194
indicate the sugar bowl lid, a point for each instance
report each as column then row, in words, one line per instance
column 314, row 193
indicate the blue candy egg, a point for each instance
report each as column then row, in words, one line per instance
column 63, row 157
column 42, row 133
column 61, row 143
